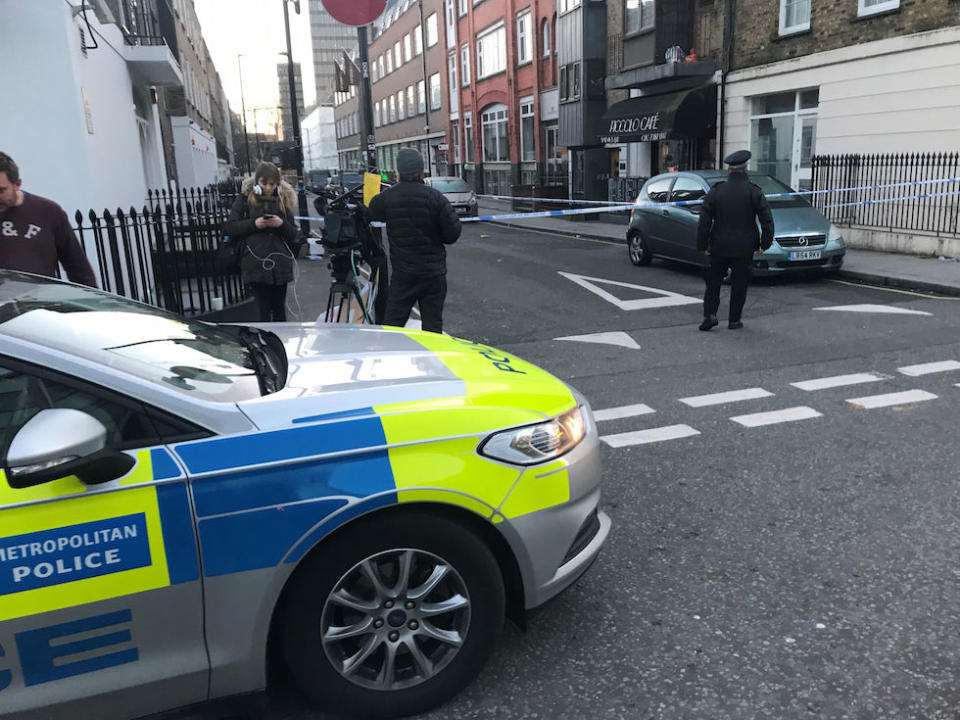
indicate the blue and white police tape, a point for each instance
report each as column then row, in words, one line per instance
column 856, row 188
column 679, row 203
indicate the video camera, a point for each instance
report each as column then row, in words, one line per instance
column 346, row 230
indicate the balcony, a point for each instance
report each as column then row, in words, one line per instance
column 150, row 43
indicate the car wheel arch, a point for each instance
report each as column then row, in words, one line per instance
column 483, row 528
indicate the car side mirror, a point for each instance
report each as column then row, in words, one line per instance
column 60, row 442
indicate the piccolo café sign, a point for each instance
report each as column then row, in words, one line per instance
column 639, row 128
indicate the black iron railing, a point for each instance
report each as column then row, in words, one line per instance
column 139, row 24
column 166, row 253
column 884, row 196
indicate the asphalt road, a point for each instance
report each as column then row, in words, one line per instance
column 803, row 568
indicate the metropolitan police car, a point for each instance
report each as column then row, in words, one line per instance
column 183, row 503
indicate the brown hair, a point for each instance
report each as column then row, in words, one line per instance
column 8, row 166
column 267, row 171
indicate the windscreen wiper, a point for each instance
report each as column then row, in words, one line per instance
column 268, row 374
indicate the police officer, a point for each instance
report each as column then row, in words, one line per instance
column 728, row 234
column 420, row 224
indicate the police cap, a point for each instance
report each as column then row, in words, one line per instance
column 738, row 158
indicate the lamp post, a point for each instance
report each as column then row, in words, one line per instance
column 426, row 83
column 295, row 120
column 243, row 106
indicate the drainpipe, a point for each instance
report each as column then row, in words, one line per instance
column 730, row 6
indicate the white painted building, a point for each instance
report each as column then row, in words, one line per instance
column 79, row 117
column 318, row 131
column 897, row 95
column 195, row 151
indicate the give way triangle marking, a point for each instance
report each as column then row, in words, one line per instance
column 619, row 338
column 665, row 299
column 886, row 309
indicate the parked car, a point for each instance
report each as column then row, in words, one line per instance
column 456, row 190
column 184, row 503
column 804, row 238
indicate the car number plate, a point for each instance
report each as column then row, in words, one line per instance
column 804, row 255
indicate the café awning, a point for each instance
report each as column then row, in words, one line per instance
column 686, row 113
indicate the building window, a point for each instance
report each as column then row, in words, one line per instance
column 465, row 64
column 574, row 81
column 432, row 30
column 376, row 114
column 393, row 109
column 546, row 38
column 638, row 15
column 524, row 38
column 435, row 91
column 468, row 137
column 527, row 146
column 418, row 40
column 496, row 147
column 452, row 76
column 564, row 84
column 794, row 16
column 411, row 103
column 373, row 72
column 451, row 19
column 872, row 7
column 401, row 108
column 380, row 63
column 783, row 132
column 421, row 97
column 408, row 47
column 397, row 55
column 564, row 5
column 491, row 52
column 389, row 62
column 463, row 7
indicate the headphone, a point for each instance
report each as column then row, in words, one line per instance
column 257, row 190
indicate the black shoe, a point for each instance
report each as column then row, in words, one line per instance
column 709, row 322
column 734, row 325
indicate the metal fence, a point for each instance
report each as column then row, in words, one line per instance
column 166, row 253
column 892, row 207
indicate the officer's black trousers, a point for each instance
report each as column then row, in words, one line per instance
column 429, row 293
column 741, row 268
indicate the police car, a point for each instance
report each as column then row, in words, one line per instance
column 183, row 504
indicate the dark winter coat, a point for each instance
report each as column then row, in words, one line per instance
column 728, row 219
column 420, row 222
column 269, row 253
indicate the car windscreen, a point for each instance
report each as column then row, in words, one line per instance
column 351, row 179
column 192, row 357
column 771, row 186
column 450, row 185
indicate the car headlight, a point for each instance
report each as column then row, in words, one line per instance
column 473, row 199
column 834, row 236
column 537, row 443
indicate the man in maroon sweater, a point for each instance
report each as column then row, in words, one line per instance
column 35, row 233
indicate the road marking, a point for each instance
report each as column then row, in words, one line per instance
column 927, row 368
column 776, row 416
column 642, row 437
column 839, row 381
column 666, row 299
column 885, row 309
column 897, row 398
column 726, row 397
column 624, row 411
column 618, row 338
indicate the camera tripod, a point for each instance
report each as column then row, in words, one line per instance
column 345, row 290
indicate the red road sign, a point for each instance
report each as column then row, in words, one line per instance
column 355, row 12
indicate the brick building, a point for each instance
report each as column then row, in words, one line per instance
column 501, row 75
column 848, row 76
column 410, row 106
column 283, row 85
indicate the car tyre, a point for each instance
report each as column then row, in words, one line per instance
column 334, row 593
column 637, row 249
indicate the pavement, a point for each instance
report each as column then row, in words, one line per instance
column 911, row 272
column 785, row 504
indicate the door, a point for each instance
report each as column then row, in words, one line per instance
column 654, row 217
column 681, row 229
column 100, row 589
column 803, row 152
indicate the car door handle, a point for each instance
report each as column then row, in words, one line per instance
column 665, row 212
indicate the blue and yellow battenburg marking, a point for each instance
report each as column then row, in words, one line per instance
column 70, row 546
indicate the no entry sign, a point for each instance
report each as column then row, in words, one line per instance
column 355, row 12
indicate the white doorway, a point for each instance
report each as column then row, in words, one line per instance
column 783, row 136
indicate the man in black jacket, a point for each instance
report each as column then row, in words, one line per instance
column 420, row 223
column 728, row 234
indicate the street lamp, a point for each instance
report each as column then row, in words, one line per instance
column 295, row 120
column 426, row 84
column 243, row 106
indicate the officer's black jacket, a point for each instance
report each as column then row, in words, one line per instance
column 420, row 221
column 728, row 219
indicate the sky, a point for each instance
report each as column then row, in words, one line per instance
column 254, row 28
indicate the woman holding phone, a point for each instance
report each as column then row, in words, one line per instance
column 262, row 217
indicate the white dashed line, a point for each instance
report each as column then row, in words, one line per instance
column 642, row 437
column 726, row 397
column 776, row 416
column 838, row 381
column 898, row 398
column 928, row 368
column 624, row 411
